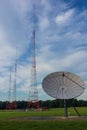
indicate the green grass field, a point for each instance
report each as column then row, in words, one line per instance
column 7, row 122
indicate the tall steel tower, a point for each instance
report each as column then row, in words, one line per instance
column 12, row 104
column 33, row 99
column 9, row 92
column 8, row 104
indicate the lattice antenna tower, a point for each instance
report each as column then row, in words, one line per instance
column 13, row 104
column 33, row 92
column 8, row 104
column 9, row 91
column 15, row 84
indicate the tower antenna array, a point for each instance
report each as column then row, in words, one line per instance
column 9, row 92
column 33, row 99
column 8, row 104
column 12, row 104
column 15, row 83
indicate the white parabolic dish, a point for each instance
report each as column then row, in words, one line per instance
column 63, row 85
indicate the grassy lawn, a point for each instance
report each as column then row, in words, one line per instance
column 7, row 124
column 43, row 125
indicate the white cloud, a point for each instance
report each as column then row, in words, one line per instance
column 4, row 84
column 43, row 23
column 7, row 52
column 43, row 15
column 21, row 7
column 75, row 58
column 65, row 17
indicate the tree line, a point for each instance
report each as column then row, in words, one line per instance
column 49, row 103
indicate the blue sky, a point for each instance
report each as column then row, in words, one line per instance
column 61, row 42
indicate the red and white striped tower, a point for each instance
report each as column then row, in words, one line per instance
column 33, row 99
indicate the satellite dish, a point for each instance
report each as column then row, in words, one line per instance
column 63, row 85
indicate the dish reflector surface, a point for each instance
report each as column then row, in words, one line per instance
column 63, row 85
